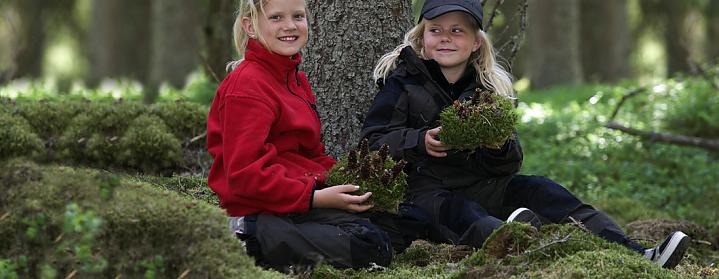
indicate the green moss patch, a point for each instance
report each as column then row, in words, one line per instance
column 60, row 220
column 487, row 119
column 374, row 172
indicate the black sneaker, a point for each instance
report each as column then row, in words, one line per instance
column 525, row 215
column 668, row 253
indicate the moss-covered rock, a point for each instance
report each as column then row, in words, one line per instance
column 373, row 171
column 149, row 145
column 487, row 119
column 66, row 222
column 186, row 120
column 17, row 138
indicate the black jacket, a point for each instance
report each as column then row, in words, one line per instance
column 408, row 104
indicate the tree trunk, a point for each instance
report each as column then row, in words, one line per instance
column 175, row 42
column 676, row 38
column 553, row 43
column 218, row 37
column 712, row 19
column 507, row 32
column 605, row 40
column 30, row 47
column 119, row 40
column 346, row 40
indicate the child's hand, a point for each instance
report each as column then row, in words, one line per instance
column 433, row 146
column 337, row 197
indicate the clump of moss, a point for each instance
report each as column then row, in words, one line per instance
column 98, row 225
column 373, row 171
column 510, row 239
column 487, row 119
column 16, row 137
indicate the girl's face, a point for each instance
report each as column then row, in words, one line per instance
column 283, row 26
column 450, row 39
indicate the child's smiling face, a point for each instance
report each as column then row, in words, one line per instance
column 450, row 39
column 283, row 26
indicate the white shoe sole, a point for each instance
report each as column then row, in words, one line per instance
column 669, row 258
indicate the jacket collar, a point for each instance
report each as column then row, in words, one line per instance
column 429, row 69
column 277, row 64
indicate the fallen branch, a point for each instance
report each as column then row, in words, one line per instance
column 630, row 94
column 553, row 242
column 712, row 145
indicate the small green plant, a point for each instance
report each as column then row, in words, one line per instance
column 487, row 119
column 374, row 172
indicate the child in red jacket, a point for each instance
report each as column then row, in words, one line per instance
column 263, row 132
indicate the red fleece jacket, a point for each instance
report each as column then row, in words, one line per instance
column 264, row 134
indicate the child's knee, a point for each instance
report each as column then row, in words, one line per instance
column 368, row 244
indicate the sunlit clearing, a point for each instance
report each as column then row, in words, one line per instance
column 521, row 85
column 595, row 99
column 120, row 88
column 535, row 112
column 60, row 60
column 659, row 88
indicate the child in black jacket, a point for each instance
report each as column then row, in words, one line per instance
column 444, row 58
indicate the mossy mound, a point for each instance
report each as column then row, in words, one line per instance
column 510, row 240
column 487, row 119
column 373, row 171
column 161, row 138
column 602, row 263
column 16, row 137
column 57, row 221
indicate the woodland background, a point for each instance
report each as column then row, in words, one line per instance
column 103, row 106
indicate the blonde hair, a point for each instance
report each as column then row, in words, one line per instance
column 489, row 72
column 250, row 9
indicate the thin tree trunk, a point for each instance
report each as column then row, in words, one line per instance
column 346, row 40
column 119, row 40
column 712, row 19
column 553, row 44
column 605, row 40
column 175, row 42
column 676, row 39
column 218, row 37
column 30, row 47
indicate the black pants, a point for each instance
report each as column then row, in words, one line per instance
column 457, row 216
column 329, row 236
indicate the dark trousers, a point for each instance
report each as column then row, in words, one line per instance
column 458, row 216
column 331, row 236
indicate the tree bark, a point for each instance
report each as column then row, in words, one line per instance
column 118, row 42
column 553, row 43
column 175, row 44
column 676, row 39
column 218, row 37
column 712, row 19
column 605, row 40
column 346, row 40
column 29, row 52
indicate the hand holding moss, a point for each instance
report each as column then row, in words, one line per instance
column 433, row 146
column 376, row 174
column 486, row 120
column 339, row 197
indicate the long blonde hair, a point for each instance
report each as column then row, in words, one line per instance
column 489, row 72
column 251, row 9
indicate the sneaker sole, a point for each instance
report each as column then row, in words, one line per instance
column 517, row 213
column 679, row 241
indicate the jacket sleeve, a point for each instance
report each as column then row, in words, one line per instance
column 501, row 162
column 255, row 177
column 387, row 123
